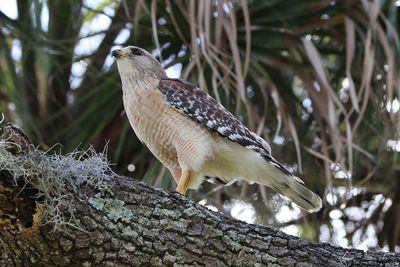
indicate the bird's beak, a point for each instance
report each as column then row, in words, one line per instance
column 117, row 53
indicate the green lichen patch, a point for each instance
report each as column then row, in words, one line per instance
column 113, row 208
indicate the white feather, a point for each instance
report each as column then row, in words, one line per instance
column 231, row 161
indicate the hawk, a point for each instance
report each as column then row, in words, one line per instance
column 194, row 136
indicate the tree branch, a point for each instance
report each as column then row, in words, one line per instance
column 66, row 211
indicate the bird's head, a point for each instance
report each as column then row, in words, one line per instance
column 135, row 62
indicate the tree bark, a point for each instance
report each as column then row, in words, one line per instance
column 118, row 221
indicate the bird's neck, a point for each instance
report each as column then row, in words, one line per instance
column 139, row 84
column 143, row 76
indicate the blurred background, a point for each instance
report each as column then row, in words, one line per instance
column 319, row 80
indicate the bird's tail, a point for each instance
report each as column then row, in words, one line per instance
column 292, row 187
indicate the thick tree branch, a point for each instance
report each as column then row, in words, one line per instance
column 102, row 218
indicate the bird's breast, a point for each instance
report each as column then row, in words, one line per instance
column 152, row 121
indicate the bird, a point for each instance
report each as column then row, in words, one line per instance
column 194, row 136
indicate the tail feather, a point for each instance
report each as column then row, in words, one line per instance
column 290, row 186
column 299, row 194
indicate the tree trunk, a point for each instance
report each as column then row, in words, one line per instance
column 62, row 211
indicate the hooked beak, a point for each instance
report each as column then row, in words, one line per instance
column 117, row 53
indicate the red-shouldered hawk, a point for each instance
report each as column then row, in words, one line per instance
column 194, row 136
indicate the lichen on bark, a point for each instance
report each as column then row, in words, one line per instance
column 113, row 208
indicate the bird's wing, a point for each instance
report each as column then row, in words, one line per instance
column 201, row 107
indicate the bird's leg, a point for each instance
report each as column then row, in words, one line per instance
column 183, row 182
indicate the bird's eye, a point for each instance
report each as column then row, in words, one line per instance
column 136, row 52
